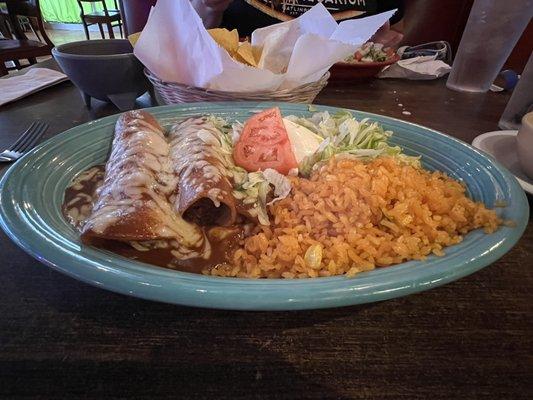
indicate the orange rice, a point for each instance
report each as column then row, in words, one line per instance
column 352, row 216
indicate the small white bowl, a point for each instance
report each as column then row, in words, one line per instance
column 501, row 145
column 524, row 142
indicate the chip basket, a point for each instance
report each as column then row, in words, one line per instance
column 175, row 93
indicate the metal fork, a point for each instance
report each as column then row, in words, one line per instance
column 24, row 143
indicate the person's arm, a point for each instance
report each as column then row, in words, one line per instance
column 389, row 36
column 210, row 11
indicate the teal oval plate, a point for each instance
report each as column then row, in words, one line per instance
column 32, row 192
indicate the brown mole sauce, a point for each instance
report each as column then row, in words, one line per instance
column 223, row 240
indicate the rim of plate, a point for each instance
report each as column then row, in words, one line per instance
column 130, row 277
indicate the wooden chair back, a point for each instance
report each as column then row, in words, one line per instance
column 31, row 10
column 102, row 2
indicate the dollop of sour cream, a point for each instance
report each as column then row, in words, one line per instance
column 303, row 141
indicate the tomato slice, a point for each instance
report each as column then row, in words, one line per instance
column 264, row 143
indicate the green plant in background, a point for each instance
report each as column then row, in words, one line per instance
column 67, row 11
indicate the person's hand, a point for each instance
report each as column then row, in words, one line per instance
column 387, row 36
column 216, row 4
column 210, row 11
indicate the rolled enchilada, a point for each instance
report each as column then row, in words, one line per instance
column 134, row 202
column 198, row 159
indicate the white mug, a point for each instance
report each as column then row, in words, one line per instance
column 524, row 144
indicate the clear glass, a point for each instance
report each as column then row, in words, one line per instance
column 492, row 30
column 521, row 101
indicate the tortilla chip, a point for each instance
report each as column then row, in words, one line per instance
column 228, row 40
column 237, row 57
column 134, row 37
column 257, row 52
column 245, row 52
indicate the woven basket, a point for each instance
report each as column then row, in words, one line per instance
column 174, row 93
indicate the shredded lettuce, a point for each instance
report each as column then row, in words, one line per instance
column 282, row 185
column 343, row 134
column 256, row 187
column 236, row 131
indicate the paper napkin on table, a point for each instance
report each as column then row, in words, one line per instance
column 175, row 46
column 416, row 68
column 32, row 81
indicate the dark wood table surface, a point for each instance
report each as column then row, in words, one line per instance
column 470, row 339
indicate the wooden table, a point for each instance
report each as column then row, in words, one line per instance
column 471, row 339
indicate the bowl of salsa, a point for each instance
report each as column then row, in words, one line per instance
column 366, row 62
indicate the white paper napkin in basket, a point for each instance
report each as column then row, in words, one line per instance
column 176, row 47
column 32, row 81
